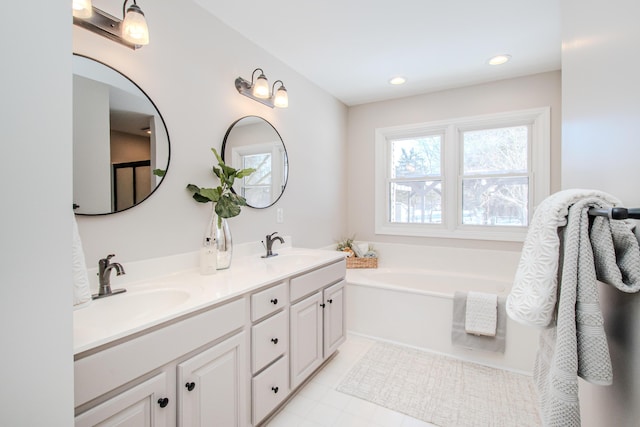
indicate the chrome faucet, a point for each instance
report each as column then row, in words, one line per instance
column 104, row 276
column 269, row 244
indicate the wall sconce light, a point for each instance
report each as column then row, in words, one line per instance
column 259, row 91
column 132, row 31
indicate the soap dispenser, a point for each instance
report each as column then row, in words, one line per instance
column 209, row 257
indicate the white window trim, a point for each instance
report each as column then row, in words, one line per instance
column 539, row 157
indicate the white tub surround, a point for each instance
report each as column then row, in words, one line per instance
column 409, row 300
column 186, row 346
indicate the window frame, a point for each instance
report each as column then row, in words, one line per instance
column 539, row 171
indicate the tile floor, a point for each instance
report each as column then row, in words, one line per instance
column 318, row 404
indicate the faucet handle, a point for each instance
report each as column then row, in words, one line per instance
column 270, row 236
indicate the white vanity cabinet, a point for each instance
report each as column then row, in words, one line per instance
column 145, row 380
column 317, row 320
column 230, row 362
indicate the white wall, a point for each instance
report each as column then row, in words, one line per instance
column 600, row 149
column 539, row 90
column 188, row 70
column 35, row 221
column 92, row 175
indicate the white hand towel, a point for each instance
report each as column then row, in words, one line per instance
column 482, row 314
column 81, row 292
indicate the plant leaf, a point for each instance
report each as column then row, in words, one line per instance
column 212, row 194
column 192, row 187
column 218, row 158
column 245, row 172
column 159, row 172
column 199, row 198
column 226, row 208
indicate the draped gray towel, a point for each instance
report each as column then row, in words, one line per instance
column 576, row 344
column 461, row 338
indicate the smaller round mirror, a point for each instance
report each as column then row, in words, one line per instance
column 253, row 142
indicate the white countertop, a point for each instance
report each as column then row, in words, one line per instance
column 149, row 303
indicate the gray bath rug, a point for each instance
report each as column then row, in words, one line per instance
column 441, row 390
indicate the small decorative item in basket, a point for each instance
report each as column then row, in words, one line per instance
column 358, row 255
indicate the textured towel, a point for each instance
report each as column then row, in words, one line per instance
column 81, row 293
column 532, row 299
column 575, row 345
column 461, row 338
column 481, row 314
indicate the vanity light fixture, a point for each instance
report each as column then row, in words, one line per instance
column 132, row 31
column 259, row 91
column 82, row 8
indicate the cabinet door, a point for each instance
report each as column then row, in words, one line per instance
column 143, row 405
column 334, row 321
column 212, row 386
column 306, row 337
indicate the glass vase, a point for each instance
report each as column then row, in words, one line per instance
column 222, row 234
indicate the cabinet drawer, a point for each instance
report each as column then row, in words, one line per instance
column 269, row 339
column 311, row 282
column 268, row 301
column 270, row 388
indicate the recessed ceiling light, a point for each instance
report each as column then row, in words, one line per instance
column 499, row 59
column 397, row 80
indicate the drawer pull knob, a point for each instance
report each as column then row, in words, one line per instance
column 322, row 305
column 274, row 340
column 330, row 301
column 190, row 386
column 163, row 402
column 275, row 389
column 274, row 301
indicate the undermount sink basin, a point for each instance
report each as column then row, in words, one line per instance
column 137, row 304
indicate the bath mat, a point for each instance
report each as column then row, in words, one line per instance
column 442, row 390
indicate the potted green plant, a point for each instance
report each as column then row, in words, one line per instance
column 226, row 204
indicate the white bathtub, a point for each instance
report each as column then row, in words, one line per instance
column 428, row 282
column 414, row 307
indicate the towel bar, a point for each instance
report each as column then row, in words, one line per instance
column 616, row 213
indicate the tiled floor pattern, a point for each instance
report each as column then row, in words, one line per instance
column 318, row 404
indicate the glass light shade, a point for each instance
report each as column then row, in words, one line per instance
column 282, row 99
column 82, row 8
column 134, row 26
column 261, row 87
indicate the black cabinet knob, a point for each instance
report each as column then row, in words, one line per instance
column 322, row 305
column 274, row 340
column 163, row 401
column 274, row 301
column 190, row 386
column 275, row 389
column 330, row 301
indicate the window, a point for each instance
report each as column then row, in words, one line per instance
column 256, row 188
column 476, row 177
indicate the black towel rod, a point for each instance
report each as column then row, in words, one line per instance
column 616, row 213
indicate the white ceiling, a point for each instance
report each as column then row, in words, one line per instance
column 351, row 48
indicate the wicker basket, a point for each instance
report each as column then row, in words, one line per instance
column 356, row 262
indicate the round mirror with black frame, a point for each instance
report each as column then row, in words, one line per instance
column 121, row 148
column 253, row 142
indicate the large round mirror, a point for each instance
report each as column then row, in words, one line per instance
column 120, row 142
column 253, row 142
